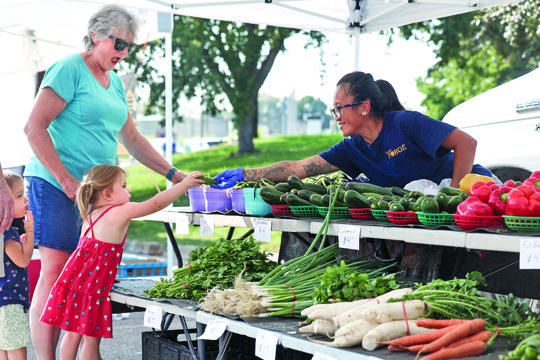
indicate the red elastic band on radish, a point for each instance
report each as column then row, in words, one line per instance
column 294, row 297
column 190, row 268
column 185, row 286
column 405, row 313
column 377, row 300
column 498, row 331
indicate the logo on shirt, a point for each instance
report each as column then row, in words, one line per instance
column 392, row 153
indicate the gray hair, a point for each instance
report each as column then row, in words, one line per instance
column 108, row 20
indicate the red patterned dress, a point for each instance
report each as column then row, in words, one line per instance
column 80, row 299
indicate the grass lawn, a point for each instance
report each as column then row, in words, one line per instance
column 211, row 162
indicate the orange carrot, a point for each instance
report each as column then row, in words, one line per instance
column 438, row 324
column 484, row 336
column 415, row 348
column 423, row 338
column 397, row 348
column 464, row 330
column 465, row 350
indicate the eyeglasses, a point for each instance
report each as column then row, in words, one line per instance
column 121, row 44
column 336, row 110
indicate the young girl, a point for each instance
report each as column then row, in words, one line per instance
column 14, row 287
column 79, row 301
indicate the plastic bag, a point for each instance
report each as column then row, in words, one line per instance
column 425, row 186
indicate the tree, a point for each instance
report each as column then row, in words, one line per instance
column 224, row 63
column 309, row 106
column 477, row 51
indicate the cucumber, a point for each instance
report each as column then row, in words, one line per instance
column 429, row 206
column 449, row 191
column 453, row 203
column 270, row 195
column 367, row 188
column 208, row 180
column 355, row 200
column 383, row 205
column 305, row 194
column 442, row 200
column 396, row 206
column 399, row 191
column 294, row 200
column 326, row 201
column 319, row 189
column 283, row 187
column 316, row 199
column 295, row 183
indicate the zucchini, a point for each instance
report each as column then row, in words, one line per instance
column 326, row 201
column 270, row 195
column 367, row 188
column 283, row 187
column 319, row 189
column 316, row 199
column 305, row 194
column 399, row 191
column 355, row 200
column 294, row 200
column 447, row 190
column 208, row 180
column 295, row 183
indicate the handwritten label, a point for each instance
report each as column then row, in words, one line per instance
column 265, row 345
column 263, row 230
column 349, row 237
column 529, row 254
column 207, row 225
column 319, row 356
column 153, row 316
column 182, row 224
column 214, row 329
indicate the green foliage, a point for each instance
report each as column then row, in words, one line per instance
column 477, row 51
column 225, row 63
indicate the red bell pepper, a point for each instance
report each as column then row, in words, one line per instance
column 498, row 198
column 534, row 182
column 536, row 174
column 510, row 183
column 523, row 201
column 473, row 206
column 482, row 190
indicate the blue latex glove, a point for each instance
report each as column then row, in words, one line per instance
column 228, row 178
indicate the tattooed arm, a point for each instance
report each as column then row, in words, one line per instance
column 280, row 171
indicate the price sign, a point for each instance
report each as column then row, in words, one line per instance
column 349, row 237
column 263, row 230
column 319, row 356
column 529, row 254
column 265, row 345
column 153, row 316
column 182, row 224
column 214, row 329
column 207, row 226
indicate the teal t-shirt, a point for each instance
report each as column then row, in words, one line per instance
column 84, row 134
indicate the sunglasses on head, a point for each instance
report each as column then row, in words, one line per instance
column 121, row 44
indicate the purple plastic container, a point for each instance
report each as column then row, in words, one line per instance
column 216, row 200
column 196, row 199
column 237, row 199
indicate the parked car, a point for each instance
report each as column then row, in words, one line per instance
column 506, row 123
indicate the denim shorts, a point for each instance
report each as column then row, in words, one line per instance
column 57, row 222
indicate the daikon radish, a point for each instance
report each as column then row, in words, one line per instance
column 356, row 312
column 390, row 330
column 381, row 313
column 319, row 326
column 328, row 311
column 350, row 335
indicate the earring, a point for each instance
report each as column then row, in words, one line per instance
column 364, row 113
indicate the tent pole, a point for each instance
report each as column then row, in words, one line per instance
column 168, row 125
column 356, row 49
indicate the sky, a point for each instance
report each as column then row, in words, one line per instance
column 297, row 71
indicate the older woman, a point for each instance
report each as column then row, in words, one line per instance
column 389, row 145
column 79, row 114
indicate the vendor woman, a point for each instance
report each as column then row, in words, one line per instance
column 388, row 144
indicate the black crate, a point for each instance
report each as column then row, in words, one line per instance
column 164, row 346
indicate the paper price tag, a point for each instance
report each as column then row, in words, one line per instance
column 207, row 226
column 153, row 316
column 529, row 254
column 214, row 329
column 182, row 224
column 319, row 356
column 263, row 230
column 265, row 345
column 349, row 237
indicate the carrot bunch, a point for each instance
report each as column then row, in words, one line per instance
column 451, row 339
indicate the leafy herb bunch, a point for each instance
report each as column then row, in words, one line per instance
column 215, row 265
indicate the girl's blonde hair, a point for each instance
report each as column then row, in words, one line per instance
column 12, row 178
column 95, row 180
